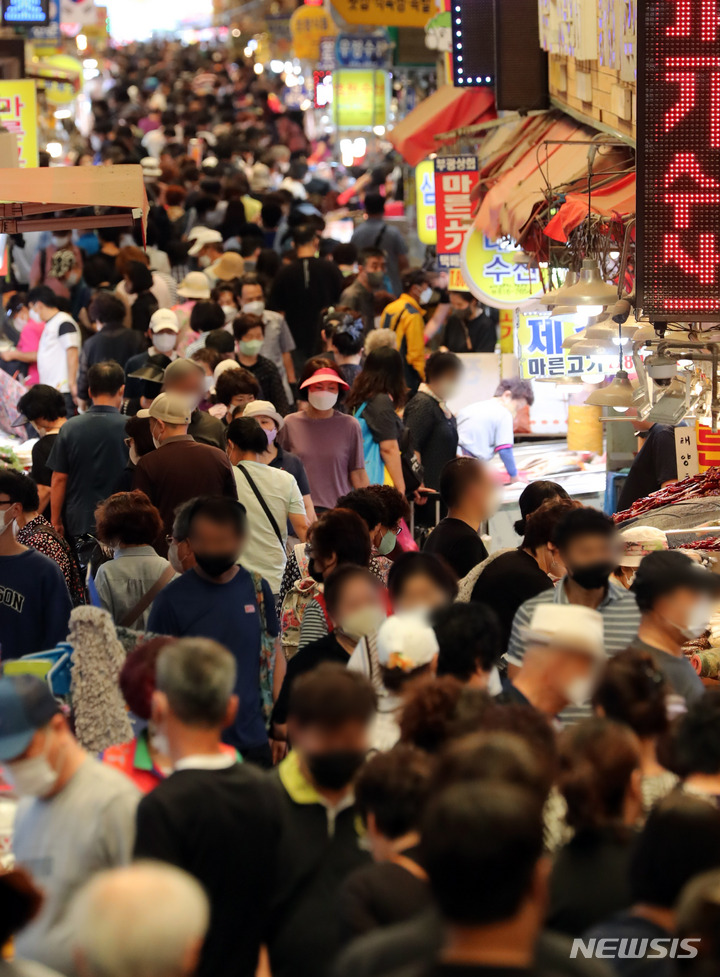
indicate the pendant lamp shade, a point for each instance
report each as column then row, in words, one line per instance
column 573, row 339
column 617, row 393
column 556, row 296
column 590, row 288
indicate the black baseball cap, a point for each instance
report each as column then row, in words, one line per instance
column 667, row 570
column 26, row 705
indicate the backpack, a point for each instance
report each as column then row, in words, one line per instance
column 267, row 650
column 373, row 460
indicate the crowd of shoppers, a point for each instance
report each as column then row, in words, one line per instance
column 342, row 754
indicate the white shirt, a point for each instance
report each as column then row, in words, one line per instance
column 485, row 427
column 60, row 334
column 263, row 551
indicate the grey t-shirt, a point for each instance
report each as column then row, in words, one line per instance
column 86, row 828
column 679, row 673
column 376, row 233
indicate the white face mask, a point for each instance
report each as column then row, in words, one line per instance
column 322, row 399
column 697, row 621
column 254, row 308
column 229, row 311
column 164, row 342
column 160, row 744
column 425, row 295
column 494, row 685
column 579, row 691
column 362, row 622
column 33, row 777
column 7, row 525
column 204, row 261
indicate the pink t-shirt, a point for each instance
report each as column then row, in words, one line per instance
column 329, row 448
column 28, row 343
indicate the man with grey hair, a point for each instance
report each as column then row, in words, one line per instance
column 212, row 816
column 147, row 920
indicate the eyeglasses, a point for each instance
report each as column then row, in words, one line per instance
column 7, row 502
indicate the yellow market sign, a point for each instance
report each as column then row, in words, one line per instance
column 359, row 98
column 308, row 26
column 492, row 275
column 425, row 202
column 18, row 114
column 541, row 354
column 386, row 13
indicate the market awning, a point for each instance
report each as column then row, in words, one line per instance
column 28, row 193
column 446, row 109
column 617, row 198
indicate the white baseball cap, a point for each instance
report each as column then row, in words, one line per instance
column 164, row 319
column 406, row 641
column 568, row 626
column 200, row 236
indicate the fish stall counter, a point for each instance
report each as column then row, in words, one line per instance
column 581, row 474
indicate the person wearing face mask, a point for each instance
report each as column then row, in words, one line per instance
column 329, row 715
column 207, row 248
column 205, row 318
column 468, row 490
column 271, row 422
column 58, row 354
column 41, row 271
column 343, row 335
column 377, row 234
column 35, row 605
column 469, row 328
column 128, row 523
column 564, row 658
column 187, row 378
column 676, row 598
column 587, row 545
column 111, row 341
column 278, row 343
column 43, row 408
column 209, row 796
column 249, row 333
column 405, row 317
column 354, row 601
column 163, row 336
column 220, row 599
column 271, row 498
column 77, row 816
column 432, row 424
column 360, row 295
column 328, row 443
column 180, row 468
column 508, row 579
column 24, row 332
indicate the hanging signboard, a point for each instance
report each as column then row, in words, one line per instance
column 541, row 354
column 308, row 27
column 359, row 98
column 708, row 447
column 50, row 33
column 492, row 275
column 678, row 160
column 455, row 179
column 686, row 451
column 25, row 13
column 322, row 88
column 363, row 50
column 326, row 60
column 18, row 114
column 386, row 13
column 425, row 202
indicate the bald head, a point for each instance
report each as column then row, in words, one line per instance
column 147, row 920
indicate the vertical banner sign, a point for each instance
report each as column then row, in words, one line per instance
column 18, row 114
column 678, row 160
column 455, row 178
column 686, row 451
column 425, row 202
column 707, row 447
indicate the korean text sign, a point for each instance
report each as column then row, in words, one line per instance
column 455, row 179
column 387, row 13
column 359, row 98
column 425, row 202
column 679, row 159
column 18, row 113
column 541, row 353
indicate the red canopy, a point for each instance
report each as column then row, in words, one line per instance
column 446, row 109
column 616, row 198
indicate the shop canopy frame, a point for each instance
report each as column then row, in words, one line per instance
column 29, row 194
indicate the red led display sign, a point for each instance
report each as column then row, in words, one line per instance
column 678, row 262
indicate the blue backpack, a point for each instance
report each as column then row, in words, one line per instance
column 374, row 465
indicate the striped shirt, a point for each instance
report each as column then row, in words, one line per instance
column 621, row 619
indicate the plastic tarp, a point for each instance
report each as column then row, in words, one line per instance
column 509, row 202
column 446, row 109
column 76, row 186
column 616, row 198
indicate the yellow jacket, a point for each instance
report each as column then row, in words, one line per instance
column 405, row 317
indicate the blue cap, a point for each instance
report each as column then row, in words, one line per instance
column 26, row 705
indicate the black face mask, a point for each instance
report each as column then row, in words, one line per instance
column 215, row 564
column 336, row 768
column 592, row 576
column 314, row 572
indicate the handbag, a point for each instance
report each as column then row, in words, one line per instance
column 264, row 505
column 147, row 598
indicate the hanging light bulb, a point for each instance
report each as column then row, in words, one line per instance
column 556, row 296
